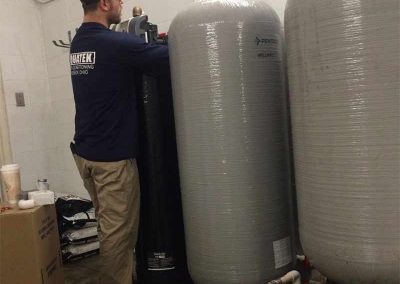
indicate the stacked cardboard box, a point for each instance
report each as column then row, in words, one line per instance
column 30, row 246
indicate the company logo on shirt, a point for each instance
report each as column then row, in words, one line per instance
column 82, row 58
column 82, row 63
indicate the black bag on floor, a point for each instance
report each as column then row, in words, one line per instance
column 69, row 206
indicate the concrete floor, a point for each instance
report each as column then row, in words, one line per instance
column 86, row 270
column 83, row 271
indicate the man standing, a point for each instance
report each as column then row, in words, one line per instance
column 104, row 65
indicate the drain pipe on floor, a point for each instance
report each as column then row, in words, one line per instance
column 292, row 277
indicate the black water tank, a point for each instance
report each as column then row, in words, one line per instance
column 161, row 256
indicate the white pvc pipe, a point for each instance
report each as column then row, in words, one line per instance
column 301, row 257
column 5, row 144
column 292, row 277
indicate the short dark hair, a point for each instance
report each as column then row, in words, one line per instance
column 89, row 5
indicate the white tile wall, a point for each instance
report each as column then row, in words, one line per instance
column 23, row 65
column 13, row 67
column 8, row 43
column 19, row 118
column 165, row 11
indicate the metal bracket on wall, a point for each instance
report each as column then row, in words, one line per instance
column 61, row 43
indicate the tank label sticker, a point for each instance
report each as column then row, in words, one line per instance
column 266, row 41
column 282, row 252
column 158, row 261
column 267, row 47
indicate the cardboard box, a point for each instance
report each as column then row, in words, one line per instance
column 30, row 247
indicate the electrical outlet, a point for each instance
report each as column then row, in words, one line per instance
column 19, row 97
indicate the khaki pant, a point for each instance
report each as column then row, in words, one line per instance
column 115, row 192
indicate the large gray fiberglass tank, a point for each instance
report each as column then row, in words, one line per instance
column 226, row 61
column 344, row 76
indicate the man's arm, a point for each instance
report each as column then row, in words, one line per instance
column 151, row 59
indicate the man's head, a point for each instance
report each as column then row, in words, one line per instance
column 108, row 11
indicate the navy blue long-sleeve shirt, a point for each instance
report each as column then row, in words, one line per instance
column 105, row 67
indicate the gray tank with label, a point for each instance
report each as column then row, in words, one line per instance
column 228, row 89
